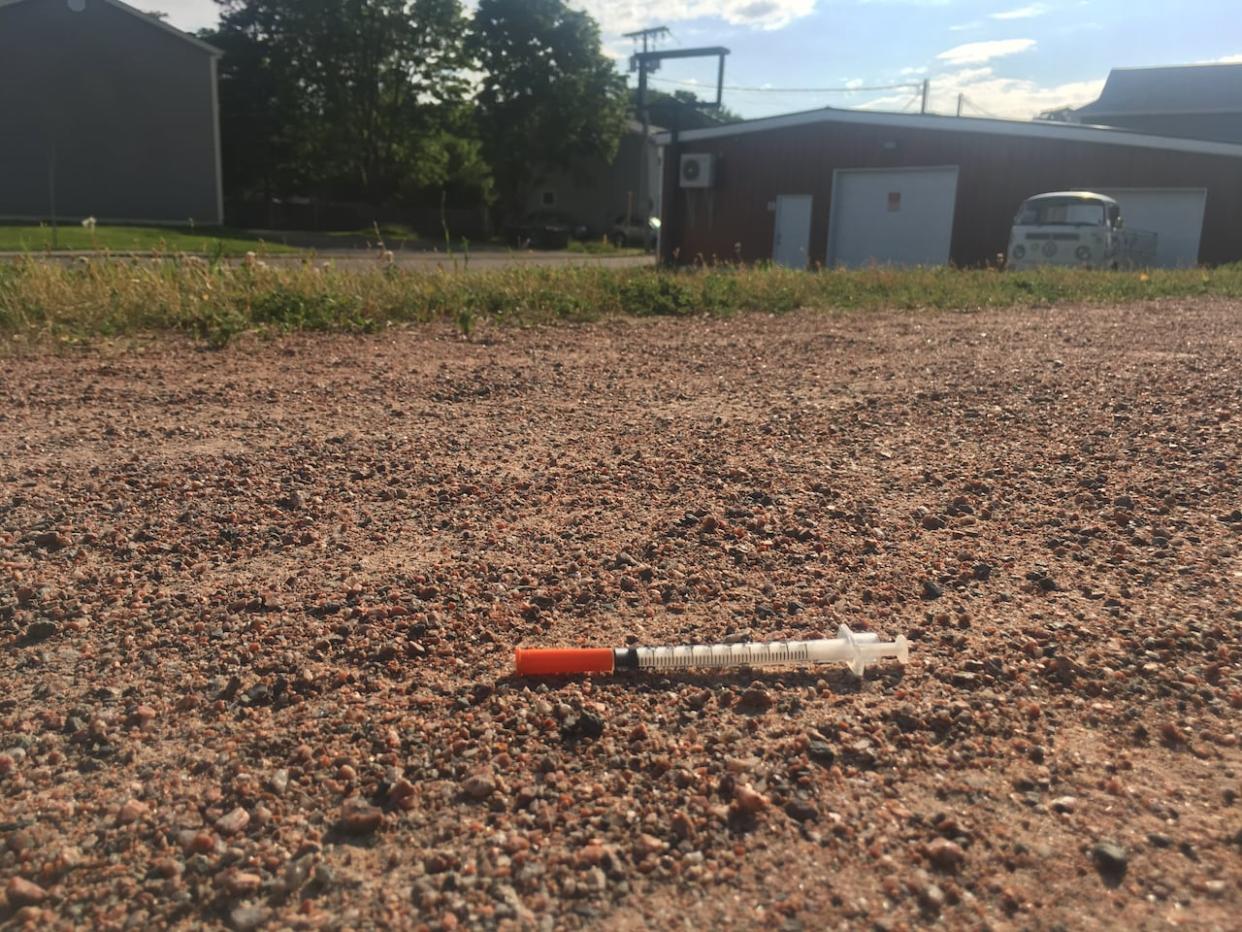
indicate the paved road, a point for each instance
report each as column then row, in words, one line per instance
column 428, row 261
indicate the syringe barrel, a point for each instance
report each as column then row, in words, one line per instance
column 746, row 654
column 687, row 657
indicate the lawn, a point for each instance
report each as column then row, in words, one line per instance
column 75, row 237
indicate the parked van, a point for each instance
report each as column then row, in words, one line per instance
column 1076, row 228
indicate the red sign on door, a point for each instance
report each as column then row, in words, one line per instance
column 894, row 200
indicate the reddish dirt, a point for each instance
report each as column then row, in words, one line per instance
column 258, row 612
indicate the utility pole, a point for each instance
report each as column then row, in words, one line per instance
column 961, row 99
column 51, row 192
column 926, row 92
column 650, row 61
column 648, row 38
column 645, row 62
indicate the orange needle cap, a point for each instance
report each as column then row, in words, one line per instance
column 541, row 661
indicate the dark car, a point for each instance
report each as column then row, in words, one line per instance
column 546, row 229
column 635, row 233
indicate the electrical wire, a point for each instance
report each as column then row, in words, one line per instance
column 986, row 113
column 789, row 90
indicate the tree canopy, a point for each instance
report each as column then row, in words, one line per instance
column 353, row 98
column 400, row 101
column 547, row 93
column 685, row 108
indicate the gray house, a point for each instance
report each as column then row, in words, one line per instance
column 1188, row 101
column 108, row 112
column 596, row 193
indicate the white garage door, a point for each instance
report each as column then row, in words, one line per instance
column 1175, row 215
column 892, row 216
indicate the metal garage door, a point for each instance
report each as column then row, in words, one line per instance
column 898, row 216
column 1174, row 214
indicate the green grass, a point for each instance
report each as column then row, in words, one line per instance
column 123, row 239
column 70, row 303
column 601, row 247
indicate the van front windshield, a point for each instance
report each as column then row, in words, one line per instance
column 1061, row 213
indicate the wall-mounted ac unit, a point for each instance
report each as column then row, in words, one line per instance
column 698, row 170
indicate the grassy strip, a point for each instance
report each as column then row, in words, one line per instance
column 86, row 300
column 161, row 240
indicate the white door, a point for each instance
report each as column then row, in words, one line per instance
column 901, row 216
column 1175, row 215
column 791, row 244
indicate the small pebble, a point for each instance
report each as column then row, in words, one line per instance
column 755, row 699
column 22, row 892
column 748, row 800
column 1110, row 858
column 131, row 811
column 944, row 854
column 478, row 787
column 360, row 818
column 233, row 822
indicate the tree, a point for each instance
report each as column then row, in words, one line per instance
column 1059, row 115
column 351, row 98
column 547, row 96
column 684, row 108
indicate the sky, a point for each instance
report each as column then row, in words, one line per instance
column 1010, row 59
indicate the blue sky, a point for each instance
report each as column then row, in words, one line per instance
column 1009, row 59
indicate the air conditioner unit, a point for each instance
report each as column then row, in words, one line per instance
column 698, row 170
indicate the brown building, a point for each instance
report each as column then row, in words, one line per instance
column 108, row 112
column 848, row 187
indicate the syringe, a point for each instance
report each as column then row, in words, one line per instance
column 856, row 650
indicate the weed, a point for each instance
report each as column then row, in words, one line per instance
column 73, row 303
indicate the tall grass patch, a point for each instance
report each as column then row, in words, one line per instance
column 215, row 301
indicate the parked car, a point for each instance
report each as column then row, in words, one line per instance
column 1077, row 228
column 546, row 229
column 636, row 232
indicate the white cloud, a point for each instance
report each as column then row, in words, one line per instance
column 988, row 94
column 628, row 15
column 1012, row 98
column 1223, row 60
column 966, row 27
column 614, row 16
column 1029, row 11
column 974, row 53
column 190, row 15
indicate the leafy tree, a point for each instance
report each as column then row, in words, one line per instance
column 1059, row 115
column 352, row 98
column 547, row 94
column 684, row 108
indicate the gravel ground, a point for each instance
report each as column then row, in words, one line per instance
column 258, row 610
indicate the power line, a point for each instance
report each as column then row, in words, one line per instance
column 794, row 90
column 986, row 113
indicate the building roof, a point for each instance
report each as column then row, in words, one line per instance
column 146, row 18
column 635, row 127
column 1066, row 132
column 1174, row 89
column 1072, row 195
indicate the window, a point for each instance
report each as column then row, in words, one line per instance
column 548, row 199
column 1061, row 212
